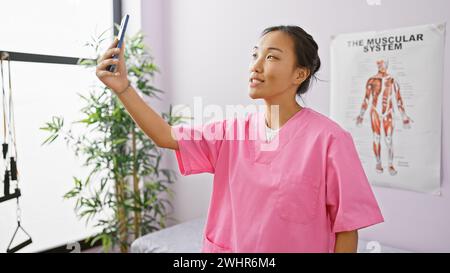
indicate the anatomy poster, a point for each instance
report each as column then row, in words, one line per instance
column 386, row 90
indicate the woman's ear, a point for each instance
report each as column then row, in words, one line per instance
column 302, row 73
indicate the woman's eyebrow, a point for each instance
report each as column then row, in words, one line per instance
column 270, row 48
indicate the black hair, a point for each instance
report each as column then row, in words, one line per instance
column 306, row 51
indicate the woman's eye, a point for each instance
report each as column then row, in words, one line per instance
column 254, row 55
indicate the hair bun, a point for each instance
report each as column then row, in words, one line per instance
column 316, row 63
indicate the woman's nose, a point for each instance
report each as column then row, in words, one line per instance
column 255, row 66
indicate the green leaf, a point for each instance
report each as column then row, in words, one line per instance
column 87, row 62
column 54, row 127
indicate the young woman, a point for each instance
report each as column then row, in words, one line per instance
column 301, row 189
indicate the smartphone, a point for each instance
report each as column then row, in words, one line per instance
column 122, row 29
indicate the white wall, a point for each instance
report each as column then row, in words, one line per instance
column 206, row 52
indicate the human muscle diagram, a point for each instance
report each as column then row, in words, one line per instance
column 386, row 90
column 382, row 94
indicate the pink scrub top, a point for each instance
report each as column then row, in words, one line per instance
column 291, row 194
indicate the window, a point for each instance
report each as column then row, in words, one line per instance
column 52, row 27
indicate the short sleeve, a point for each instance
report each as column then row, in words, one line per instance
column 351, row 203
column 199, row 147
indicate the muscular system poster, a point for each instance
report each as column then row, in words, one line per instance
column 386, row 90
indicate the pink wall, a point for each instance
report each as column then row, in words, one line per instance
column 414, row 221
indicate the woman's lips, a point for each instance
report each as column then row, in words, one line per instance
column 255, row 83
